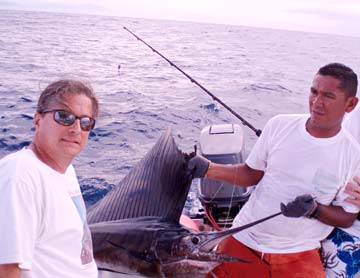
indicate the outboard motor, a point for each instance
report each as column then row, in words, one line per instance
column 222, row 144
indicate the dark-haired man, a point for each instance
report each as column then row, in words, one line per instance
column 43, row 225
column 304, row 161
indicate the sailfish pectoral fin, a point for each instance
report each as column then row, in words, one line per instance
column 196, row 267
column 224, row 258
column 187, row 268
column 216, row 257
column 113, row 271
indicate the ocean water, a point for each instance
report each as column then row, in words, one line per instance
column 258, row 72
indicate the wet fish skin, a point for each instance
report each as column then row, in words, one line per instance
column 135, row 228
column 130, row 245
column 154, row 248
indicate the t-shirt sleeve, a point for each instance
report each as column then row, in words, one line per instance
column 258, row 156
column 18, row 222
column 341, row 196
column 352, row 122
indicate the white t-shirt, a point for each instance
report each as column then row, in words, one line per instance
column 43, row 220
column 295, row 163
column 352, row 124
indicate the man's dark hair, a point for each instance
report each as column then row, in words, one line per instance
column 347, row 77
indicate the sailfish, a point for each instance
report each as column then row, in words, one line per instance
column 135, row 227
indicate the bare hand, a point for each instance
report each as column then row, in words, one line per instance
column 353, row 189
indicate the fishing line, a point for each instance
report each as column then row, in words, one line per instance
column 244, row 122
column 232, row 195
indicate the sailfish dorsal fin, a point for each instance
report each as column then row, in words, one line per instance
column 157, row 186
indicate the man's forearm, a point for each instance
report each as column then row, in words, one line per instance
column 239, row 174
column 9, row 271
column 335, row 216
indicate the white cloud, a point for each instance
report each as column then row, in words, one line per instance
column 329, row 16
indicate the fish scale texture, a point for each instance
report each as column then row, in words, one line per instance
column 156, row 186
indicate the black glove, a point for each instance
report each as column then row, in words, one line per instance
column 198, row 166
column 303, row 205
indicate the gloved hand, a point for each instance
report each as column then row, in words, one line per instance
column 198, row 166
column 303, row 205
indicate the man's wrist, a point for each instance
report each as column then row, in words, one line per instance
column 316, row 211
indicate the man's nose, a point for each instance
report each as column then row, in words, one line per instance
column 318, row 100
column 75, row 127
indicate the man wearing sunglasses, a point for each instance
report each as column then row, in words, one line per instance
column 43, row 225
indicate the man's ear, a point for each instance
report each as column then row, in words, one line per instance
column 37, row 118
column 351, row 103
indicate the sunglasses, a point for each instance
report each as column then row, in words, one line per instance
column 67, row 118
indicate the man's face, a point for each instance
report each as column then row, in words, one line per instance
column 58, row 141
column 327, row 104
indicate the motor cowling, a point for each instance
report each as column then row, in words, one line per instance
column 223, row 144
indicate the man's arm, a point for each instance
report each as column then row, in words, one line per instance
column 240, row 174
column 9, row 271
column 306, row 205
column 335, row 216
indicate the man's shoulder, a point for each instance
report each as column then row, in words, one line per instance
column 23, row 155
column 19, row 163
column 284, row 121
column 289, row 117
column 353, row 117
column 349, row 137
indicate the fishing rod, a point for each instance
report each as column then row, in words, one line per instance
column 244, row 122
column 243, row 227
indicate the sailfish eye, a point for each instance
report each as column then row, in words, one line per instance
column 195, row 240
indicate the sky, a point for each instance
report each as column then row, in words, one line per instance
column 322, row 16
